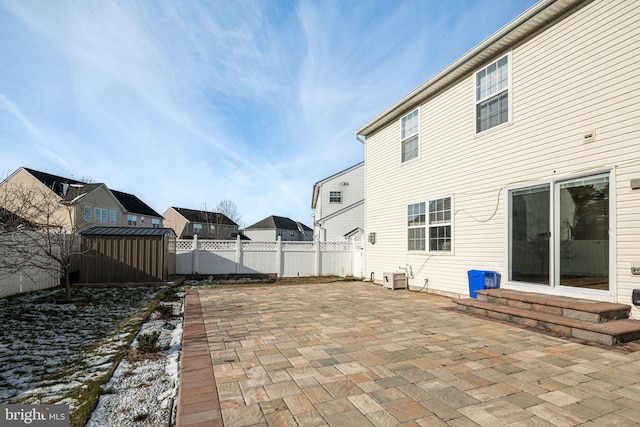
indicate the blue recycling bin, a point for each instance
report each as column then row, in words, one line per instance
column 482, row 279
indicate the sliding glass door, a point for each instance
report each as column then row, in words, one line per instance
column 529, row 232
column 583, row 233
column 559, row 233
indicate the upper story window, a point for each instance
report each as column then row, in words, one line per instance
column 132, row 220
column 112, row 216
column 409, row 137
column 87, row 213
column 197, row 228
column 335, row 196
column 100, row 215
column 416, row 220
column 440, row 225
column 155, row 223
column 492, row 95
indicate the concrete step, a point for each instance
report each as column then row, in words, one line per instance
column 607, row 333
column 572, row 308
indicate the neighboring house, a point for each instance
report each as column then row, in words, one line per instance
column 338, row 205
column 521, row 157
column 92, row 203
column 274, row 227
column 206, row 225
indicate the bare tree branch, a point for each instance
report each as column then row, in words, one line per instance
column 38, row 232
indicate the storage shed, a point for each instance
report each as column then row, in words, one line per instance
column 127, row 255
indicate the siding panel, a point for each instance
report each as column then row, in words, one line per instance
column 578, row 75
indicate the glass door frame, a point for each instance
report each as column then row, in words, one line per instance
column 554, row 287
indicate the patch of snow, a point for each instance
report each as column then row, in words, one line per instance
column 142, row 392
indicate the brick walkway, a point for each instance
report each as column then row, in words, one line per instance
column 198, row 404
column 355, row 354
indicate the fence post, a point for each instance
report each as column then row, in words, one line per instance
column 238, row 255
column 318, row 267
column 279, row 271
column 194, row 252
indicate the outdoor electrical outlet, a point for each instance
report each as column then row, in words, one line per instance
column 635, row 271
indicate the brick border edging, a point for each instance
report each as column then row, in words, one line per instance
column 198, row 403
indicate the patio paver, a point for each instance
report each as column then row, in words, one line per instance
column 354, row 353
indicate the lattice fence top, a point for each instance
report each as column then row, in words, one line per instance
column 299, row 246
column 259, row 246
column 336, row 246
column 184, row 245
column 216, row 245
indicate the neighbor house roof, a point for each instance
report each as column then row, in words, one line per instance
column 70, row 189
column 133, row 204
column 519, row 29
column 279, row 222
column 193, row 215
column 340, row 212
column 128, row 231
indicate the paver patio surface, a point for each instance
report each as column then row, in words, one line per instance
column 355, row 354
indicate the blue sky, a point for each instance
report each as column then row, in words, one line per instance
column 187, row 103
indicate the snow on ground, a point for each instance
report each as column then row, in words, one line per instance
column 142, row 391
column 49, row 350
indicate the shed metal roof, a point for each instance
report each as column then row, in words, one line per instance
column 128, row 231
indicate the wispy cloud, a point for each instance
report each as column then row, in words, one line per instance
column 187, row 103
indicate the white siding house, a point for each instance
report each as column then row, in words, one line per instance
column 338, row 205
column 522, row 157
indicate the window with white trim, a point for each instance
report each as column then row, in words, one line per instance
column 416, row 227
column 112, row 216
column 87, row 213
column 440, row 225
column 335, row 196
column 155, row 223
column 197, row 228
column 492, row 95
column 409, row 136
column 100, row 215
column 132, row 220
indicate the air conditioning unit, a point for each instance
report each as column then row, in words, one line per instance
column 394, row 281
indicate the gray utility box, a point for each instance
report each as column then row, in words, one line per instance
column 395, row 281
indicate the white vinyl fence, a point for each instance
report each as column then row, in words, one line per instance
column 37, row 274
column 285, row 259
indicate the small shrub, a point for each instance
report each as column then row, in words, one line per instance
column 109, row 390
column 164, row 311
column 148, row 343
column 140, row 417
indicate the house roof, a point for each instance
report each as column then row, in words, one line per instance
column 523, row 26
column 128, row 231
column 278, row 222
column 340, row 212
column 70, row 189
column 317, row 185
column 133, row 204
column 59, row 184
column 193, row 215
column 353, row 232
